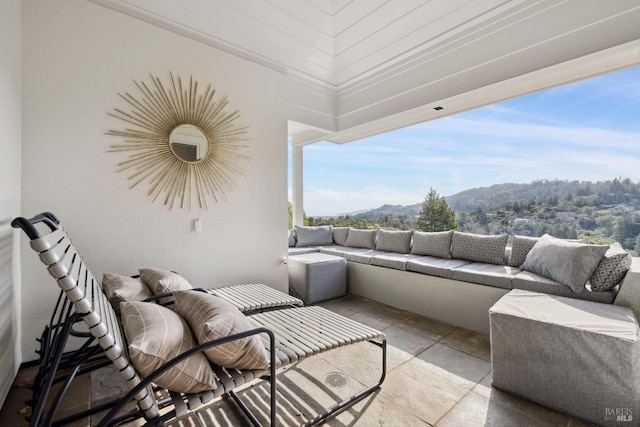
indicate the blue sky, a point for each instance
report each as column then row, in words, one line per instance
column 587, row 131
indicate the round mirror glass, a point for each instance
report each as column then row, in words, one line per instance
column 189, row 143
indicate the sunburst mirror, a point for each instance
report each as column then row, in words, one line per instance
column 184, row 144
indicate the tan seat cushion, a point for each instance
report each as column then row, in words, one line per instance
column 156, row 335
column 211, row 318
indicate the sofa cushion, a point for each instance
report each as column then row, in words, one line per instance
column 434, row 266
column 211, row 318
column 569, row 263
column 361, row 238
column 340, row 235
column 332, row 250
column 498, row 276
column 394, row 241
column 305, row 250
column 520, row 247
column 292, row 238
column 156, row 335
column 611, row 269
column 120, row 288
column 390, row 260
column 436, row 244
column 478, row 247
column 313, row 236
column 360, row 255
column 533, row 282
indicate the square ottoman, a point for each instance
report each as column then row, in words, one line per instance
column 316, row 277
column 580, row 358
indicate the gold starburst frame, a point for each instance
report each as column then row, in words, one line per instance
column 155, row 114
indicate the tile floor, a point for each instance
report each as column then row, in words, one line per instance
column 437, row 375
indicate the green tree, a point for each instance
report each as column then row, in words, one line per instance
column 305, row 220
column 436, row 214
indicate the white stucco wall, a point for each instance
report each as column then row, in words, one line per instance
column 77, row 57
column 10, row 111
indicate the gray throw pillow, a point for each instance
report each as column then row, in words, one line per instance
column 478, row 247
column 520, row 247
column 292, row 238
column 611, row 269
column 394, row 241
column 361, row 238
column 436, row 243
column 313, row 236
column 569, row 263
column 340, row 235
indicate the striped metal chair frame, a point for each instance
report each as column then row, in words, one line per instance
column 289, row 334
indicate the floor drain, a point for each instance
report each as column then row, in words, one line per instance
column 336, row 379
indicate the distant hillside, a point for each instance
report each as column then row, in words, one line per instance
column 599, row 212
column 601, row 192
column 393, row 210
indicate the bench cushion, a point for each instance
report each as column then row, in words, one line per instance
column 390, row 260
column 570, row 263
column 478, row 247
column 486, row 274
column 436, row 244
column 434, row 266
column 394, row 241
column 157, row 335
column 360, row 255
column 533, row 282
column 313, row 236
column 520, row 247
column 361, row 238
column 611, row 269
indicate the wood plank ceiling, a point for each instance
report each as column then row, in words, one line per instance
column 366, row 52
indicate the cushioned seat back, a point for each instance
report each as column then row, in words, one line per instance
column 79, row 285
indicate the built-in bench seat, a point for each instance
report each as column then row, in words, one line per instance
column 505, row 272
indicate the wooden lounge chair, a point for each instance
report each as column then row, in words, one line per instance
column 292, row 334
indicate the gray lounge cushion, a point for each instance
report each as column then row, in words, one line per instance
column 394, row 241
column 611, row 269
column 393, row 260
column 360, row 255
column 361, row 238
column 533, row 282
column 434, row 266
column 569, row 263
column 478, row 247
column 313, row 236
column 340, row 235
column 520, row 247
column 498, row 276
column 292, row 238
column 436, row 244
column 304, row 250
column 332, row 250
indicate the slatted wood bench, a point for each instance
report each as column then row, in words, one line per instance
column 290, row 335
